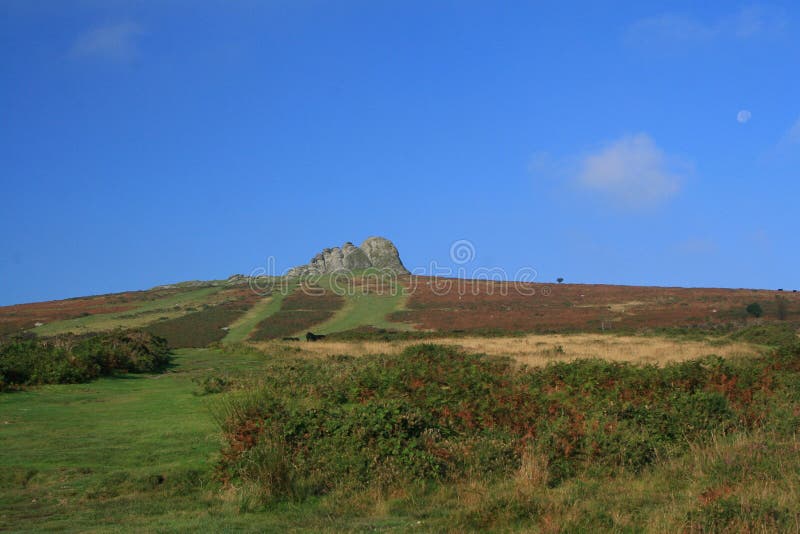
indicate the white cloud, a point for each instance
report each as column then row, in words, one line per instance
column 632, row 172
column 115, row 42
column 676, row 29
column 743, row 116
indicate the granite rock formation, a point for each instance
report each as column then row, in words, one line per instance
column 376, row 252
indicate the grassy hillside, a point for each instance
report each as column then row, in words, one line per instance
column 411, row 303
column 207, row 326
column 141, row 313
column 368, row 304
column 241, row 328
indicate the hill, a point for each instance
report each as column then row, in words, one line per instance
column 201, row 313
column 365, row 288
column 432, row 404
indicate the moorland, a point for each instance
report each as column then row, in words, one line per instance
column 564, row 408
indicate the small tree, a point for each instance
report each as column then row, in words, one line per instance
column 559, row 280
column 755, row 309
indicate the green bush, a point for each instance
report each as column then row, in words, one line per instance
column 755, row 309
column 73, row 359
column 434, row 413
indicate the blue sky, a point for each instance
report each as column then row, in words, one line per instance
column 643, row 143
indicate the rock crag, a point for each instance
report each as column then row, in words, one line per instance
column 376, row 252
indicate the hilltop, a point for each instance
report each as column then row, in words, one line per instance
column 374, row 252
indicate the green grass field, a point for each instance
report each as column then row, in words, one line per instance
column 78, row 456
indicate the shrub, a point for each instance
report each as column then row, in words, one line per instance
column 73, row 359
column 434, row 413
column 755, row 309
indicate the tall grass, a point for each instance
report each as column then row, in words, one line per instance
column 541, row 349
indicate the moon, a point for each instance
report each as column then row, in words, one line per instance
column 743, row 116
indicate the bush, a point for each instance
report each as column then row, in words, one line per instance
column 755, row 309
column 434, row 413
column 73, row 359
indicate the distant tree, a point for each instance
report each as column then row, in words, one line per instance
column 559, row 280
column 755, row 309
column 782, row 311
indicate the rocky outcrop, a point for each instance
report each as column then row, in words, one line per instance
column 377, row 252
column 382, row 254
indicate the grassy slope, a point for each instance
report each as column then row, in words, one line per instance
column 370, row 309
column 365, row 310
column 241, row 329
column 142, row 315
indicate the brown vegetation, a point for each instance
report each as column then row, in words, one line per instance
column 449, row 304
column 24, row 316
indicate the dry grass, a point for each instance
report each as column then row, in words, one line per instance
column 538, row 349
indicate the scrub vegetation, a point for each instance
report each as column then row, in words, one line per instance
column 72, row 359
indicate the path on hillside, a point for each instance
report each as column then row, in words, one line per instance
column 242, row 327
column 366, row 309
